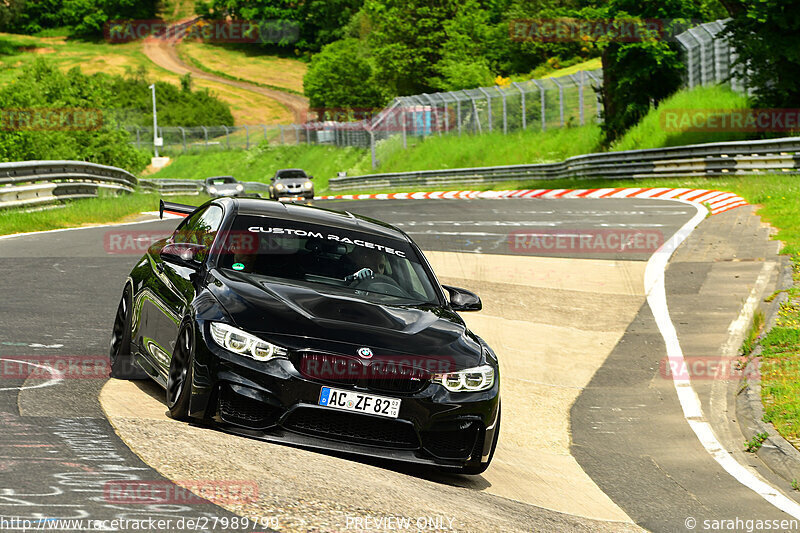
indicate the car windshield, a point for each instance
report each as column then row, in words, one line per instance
column 346, row 262
column 292, row 174
column 221, row 181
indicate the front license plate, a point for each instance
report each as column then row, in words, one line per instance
column 360, row 403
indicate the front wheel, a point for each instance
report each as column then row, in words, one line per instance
column 179, row 380
column 120, row 356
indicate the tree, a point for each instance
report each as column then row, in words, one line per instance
column 638, row 74
column 766, row 36
column 342, row 75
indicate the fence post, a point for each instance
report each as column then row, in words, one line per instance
column 280, row 127
column 405, row 145
column 505, row 111
column 296, row 133
column 247, row 132
column 183, row 136
column 522, row 96
column 542, row 97
column 488, row 107
column 580, row 96
column 477, row 118
column 205, row 135
column 458, row 115
column 372, row 146
column 138, row 139
column 560, row 101
column 599, row 110
column 308, row 135
column 227, row 138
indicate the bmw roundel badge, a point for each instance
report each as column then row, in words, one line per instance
column 366, row 353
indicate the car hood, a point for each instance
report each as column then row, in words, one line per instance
column 301, row 317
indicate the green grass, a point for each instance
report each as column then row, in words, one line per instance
column 85, row 212
column 651, row 131
column 260, row 163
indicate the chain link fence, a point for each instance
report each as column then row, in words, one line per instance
column 542, row 104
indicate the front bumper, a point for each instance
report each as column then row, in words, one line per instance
column 285, row 193
column 273, row 401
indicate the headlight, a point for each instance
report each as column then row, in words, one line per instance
column 307, row 185
column 470, row 380
column 241, row 342
column 240, row 187
column 279, row 187
column 212, row 190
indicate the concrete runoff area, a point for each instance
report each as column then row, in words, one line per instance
column 545, row 362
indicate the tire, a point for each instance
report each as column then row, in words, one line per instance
column 120, row 356
column 179, row 380
column 480, row 468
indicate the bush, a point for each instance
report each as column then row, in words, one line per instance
column 41, row 86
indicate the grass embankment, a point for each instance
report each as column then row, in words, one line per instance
column 85, row 212
column 245, row 63
column 123, row 58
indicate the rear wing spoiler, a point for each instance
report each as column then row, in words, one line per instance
column 174, row 209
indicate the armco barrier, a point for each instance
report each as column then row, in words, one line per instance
column 738, row 158
column 39, row 182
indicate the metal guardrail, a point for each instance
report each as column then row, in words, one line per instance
column 738, row 158
column 30, row 183
column 169, row 187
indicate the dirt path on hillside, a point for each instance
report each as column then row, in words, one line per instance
column 163, row 53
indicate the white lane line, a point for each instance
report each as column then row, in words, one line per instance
column 57, row 377
column 690, row 402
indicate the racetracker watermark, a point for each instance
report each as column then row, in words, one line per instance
column 746, row 120
column 54, row 366
column 349, row 369
column 711, row 368
column 585, row 241
column 182, row 492
column 565, row 29
column 212, row 31
column 402, row 523
column 50, row 119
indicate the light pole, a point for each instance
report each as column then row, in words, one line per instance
column 157, row 141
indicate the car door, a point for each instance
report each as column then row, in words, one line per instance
column 177, row 283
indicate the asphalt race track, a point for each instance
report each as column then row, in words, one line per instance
column 593, row 437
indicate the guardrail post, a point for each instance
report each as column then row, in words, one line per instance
column 183, row 138
column 205, row 134
column 488, row 106
column 522, row 96
column 247, row 132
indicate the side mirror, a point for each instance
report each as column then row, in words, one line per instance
column 462, row 299
column 184, row 254
column 310, row 177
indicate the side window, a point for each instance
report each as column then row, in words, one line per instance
column 201, row 228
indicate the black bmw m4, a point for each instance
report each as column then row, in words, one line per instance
column 312, row 327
